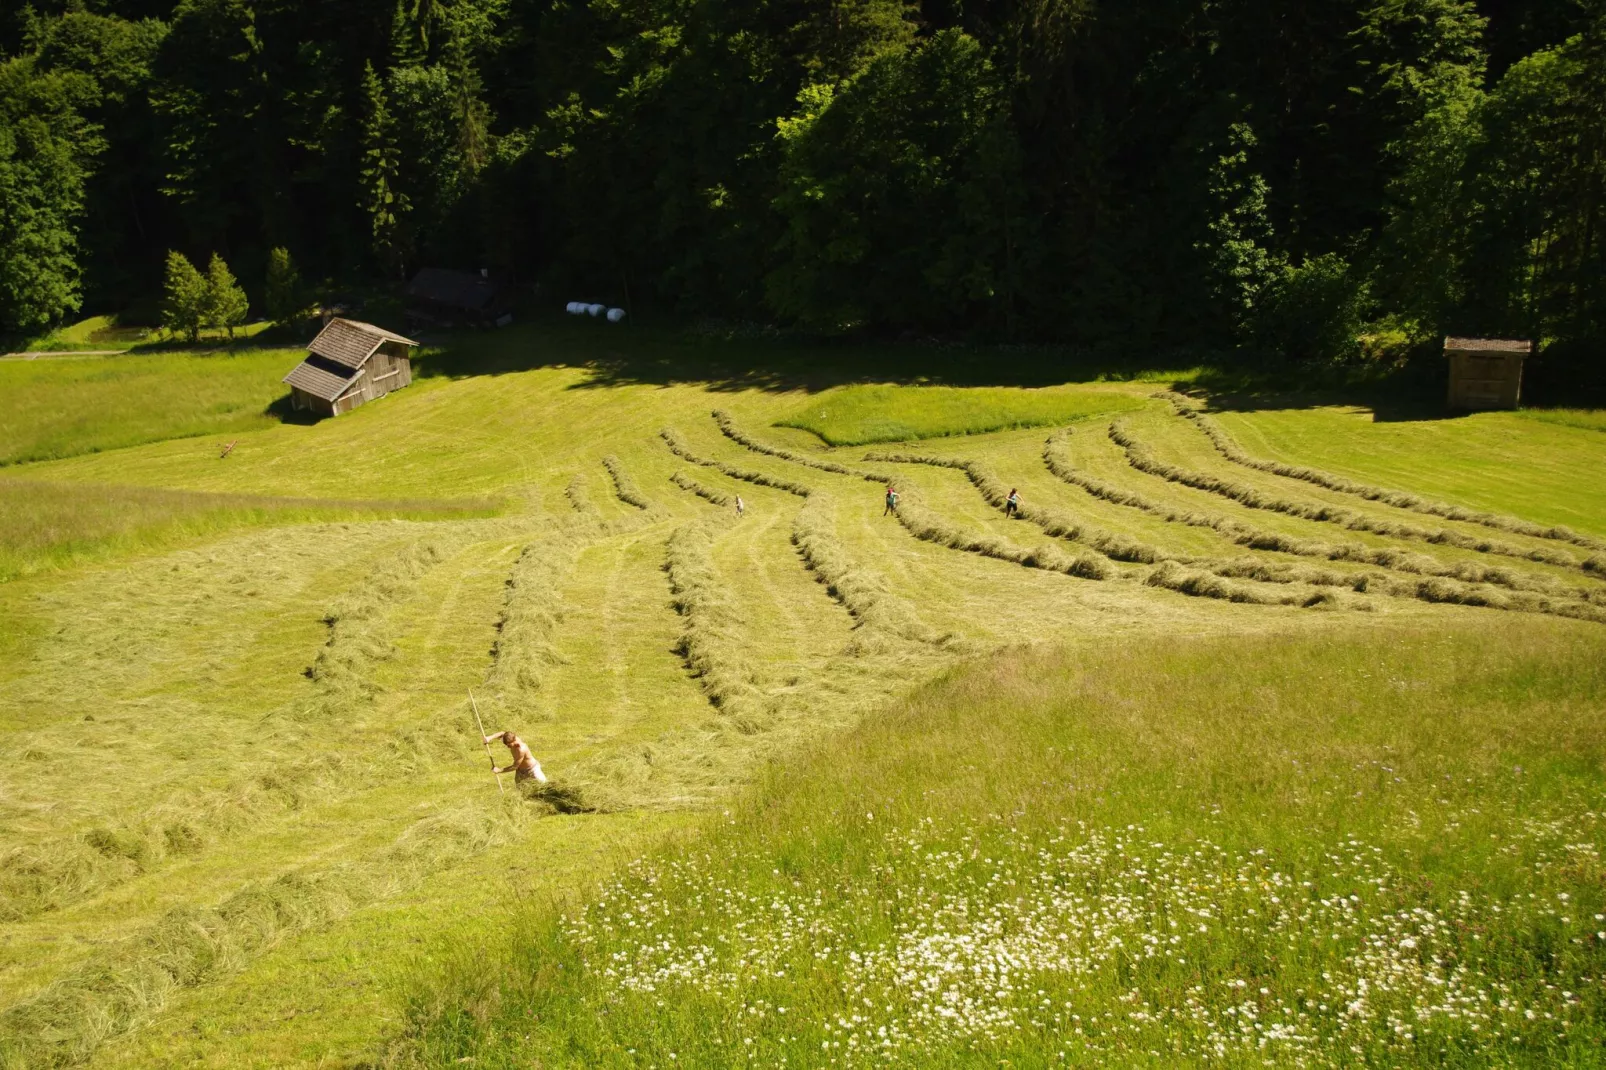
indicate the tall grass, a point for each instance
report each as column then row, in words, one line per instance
column 708, row 494
column 48, row 526
column 1585, row 419
column 62, row 408
column 1332, row 851
column 861, row 415
column 1229, row 448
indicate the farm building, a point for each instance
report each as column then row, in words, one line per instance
column 1485, row 373
column 453, row 298
column 350, row 362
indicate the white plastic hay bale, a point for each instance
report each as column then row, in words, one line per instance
column 595, row 310
column 615, row 315
column 572, row 307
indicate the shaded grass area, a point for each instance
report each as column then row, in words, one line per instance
column 45, row 526
column 1320, row 850
column 62, row 408
column 857, row 415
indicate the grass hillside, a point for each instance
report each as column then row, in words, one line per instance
column 1344, row 849
column 64, row 406
column 245, row 819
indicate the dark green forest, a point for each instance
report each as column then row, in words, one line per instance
column 1276, row 176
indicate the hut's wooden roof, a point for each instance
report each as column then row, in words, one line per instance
column 321, row 377
column 351, row 342
column 1487, row 345
column 337, row 355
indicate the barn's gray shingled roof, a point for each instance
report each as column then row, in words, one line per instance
column 321, row 377
column 337, row 354
column 350, row 342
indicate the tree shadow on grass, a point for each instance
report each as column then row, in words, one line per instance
column 733, row 359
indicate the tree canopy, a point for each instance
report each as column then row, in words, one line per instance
column 1212, row 173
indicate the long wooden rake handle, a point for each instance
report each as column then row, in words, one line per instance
column 488, row 756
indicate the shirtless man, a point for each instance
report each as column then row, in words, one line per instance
column 524, row 766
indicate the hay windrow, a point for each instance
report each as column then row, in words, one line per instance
column 1053, row 523
column 862, row 592
column 708, row 494
column 929, row 526
column 580, row 498
column 711, row 641
column 1139, row 456
column 130, row 982
column 359, row 632
column 624, row 487
column 729, row 428
column 1228, row 447
column 532, row 609
column 1255, row 538
column 678, row 447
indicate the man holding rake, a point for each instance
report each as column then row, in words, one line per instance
column 524, row 766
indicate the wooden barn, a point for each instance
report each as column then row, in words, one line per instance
column 1485, row 373
column 456, row 298
column 350, row 362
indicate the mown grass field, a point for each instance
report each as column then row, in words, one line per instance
column 244, row 819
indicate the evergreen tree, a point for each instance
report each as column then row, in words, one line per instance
column 382, row 200
column 1242, row 259
column 226, row 305
column 283, row 297
column 186, row 299
column 46, row 149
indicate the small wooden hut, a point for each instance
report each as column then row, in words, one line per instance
column 350, row 362
column 1485, row 373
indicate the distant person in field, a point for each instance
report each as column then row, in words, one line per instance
column 892, row 501
column 741, row 506
column 1012, row 503
column 524, row 766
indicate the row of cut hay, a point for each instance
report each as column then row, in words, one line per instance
column 929, row 526
column 579, row 497
column 1054, row 523
column 1139, row 456
column 532, row 609
column 56, row 873
column 129, row 982
column 708, row 494
column 678, row 447
column 711, row 640
column 1228, row 447
column 624, row 486
column 860, row 590
column 1055, row 457
column 1174, row 576
column 359, row 632
column 728, row 427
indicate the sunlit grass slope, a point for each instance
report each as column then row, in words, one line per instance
column 1379, row 849
column 53, row 525
column 240, row 789
column 1493, row 460
column 60, row 407
column 856, row 415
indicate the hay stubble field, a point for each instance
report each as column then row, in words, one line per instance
column 1203, row 758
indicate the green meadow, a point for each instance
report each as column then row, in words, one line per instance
column 1260, row 735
